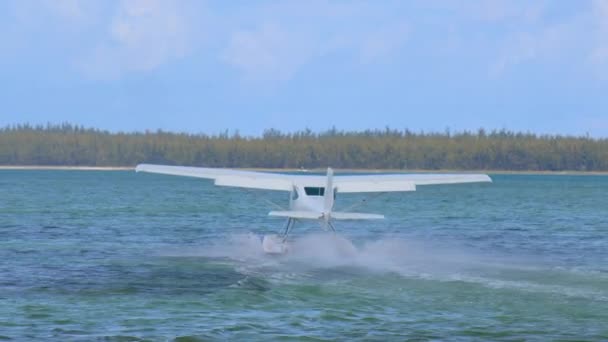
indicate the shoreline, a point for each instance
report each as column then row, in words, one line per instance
column 132, row 168
column 74, row 168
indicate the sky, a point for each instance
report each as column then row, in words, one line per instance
column 210, row 66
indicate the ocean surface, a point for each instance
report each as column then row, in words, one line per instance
column 120, row 256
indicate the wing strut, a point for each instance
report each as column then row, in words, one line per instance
column 363, row 201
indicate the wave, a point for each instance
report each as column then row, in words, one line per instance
column 412, row 259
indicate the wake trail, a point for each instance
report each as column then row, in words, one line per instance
column 412, row 259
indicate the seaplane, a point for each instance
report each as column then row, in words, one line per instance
column 312, row 197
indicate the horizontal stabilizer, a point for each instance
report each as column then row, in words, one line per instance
column 355, row 216
column 337, row 215
column 297, row 214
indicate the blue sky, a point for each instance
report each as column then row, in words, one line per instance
column 208, row 66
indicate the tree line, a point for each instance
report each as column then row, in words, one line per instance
column 74, row 145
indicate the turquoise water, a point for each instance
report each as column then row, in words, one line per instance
column 120, row 256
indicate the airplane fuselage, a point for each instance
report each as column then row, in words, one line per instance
column 307, row 199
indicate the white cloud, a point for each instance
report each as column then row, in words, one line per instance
column 72, row 10
column 599, row 55
column 52, row 29
column 272, row 43
column 508, row 10
column 382, row 43
column 579, row 40
column 267, row 53
column 565, row 40
column 269, row 41
column 55, row 15
column 141, row 36
column 489, row 11
column 546, row 43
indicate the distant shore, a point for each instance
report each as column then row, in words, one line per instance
column 132, row 168
column 76, row 168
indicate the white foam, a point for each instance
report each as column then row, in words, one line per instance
column 407, row 258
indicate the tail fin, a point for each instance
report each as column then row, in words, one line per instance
column 328, row 198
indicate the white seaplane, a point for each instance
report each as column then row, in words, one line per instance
column 312, row 197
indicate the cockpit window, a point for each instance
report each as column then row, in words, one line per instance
column 314, row 191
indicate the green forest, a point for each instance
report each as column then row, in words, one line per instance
column 73, row 145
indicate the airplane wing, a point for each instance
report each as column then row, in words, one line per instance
column 229, row 177
column 286, row 182
column 371, row 183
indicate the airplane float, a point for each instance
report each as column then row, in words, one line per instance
column 312, row 197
